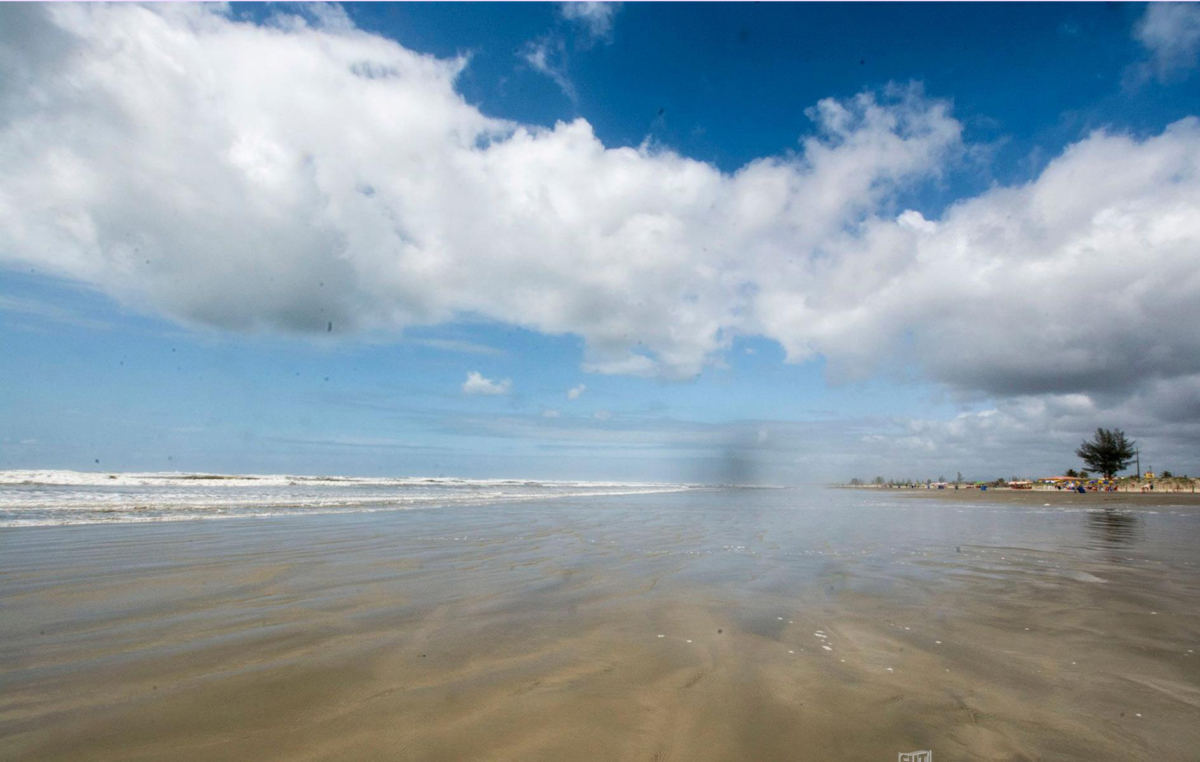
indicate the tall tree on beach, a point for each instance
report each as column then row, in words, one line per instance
column 1107, row 452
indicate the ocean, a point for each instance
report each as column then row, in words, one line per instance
column 57, row 497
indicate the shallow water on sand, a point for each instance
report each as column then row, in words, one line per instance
column 702, row 625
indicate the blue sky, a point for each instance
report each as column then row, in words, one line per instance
column 799, row 347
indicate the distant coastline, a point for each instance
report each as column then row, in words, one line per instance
column 1055, row 498
column 1128, row 495
column 1124, row 485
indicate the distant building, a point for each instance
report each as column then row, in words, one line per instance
column 1061, row 480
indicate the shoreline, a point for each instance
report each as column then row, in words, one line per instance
column 1052, row 497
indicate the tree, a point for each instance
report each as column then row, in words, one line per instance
column 879, row 480
column 855, row 482
column 958, row 479
column 1167, row 475
column 1107, row 452
column 1071, row 472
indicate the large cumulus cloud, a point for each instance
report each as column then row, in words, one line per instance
column 1086, row 278
column 290, row 175
column 294, row 175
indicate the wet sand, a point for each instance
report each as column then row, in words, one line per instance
column 762, row 625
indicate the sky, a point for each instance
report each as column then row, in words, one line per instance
column 753, row 243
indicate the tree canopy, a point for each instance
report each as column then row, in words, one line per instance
column 1107, row 452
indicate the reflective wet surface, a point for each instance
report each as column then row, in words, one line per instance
column 723, row 624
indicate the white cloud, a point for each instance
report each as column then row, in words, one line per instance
column 1027, row 436
column 476, row 383
column 576, row 392
column 39, row 310
column 596, row 18
column 1082, row 280
column 1171, row 33
column 179, row 172
column 548, row 55
column 186, row 164
column 551, row 413
column 456, row 345
column 602, row 415
column 1033, row 435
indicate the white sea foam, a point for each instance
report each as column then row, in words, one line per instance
column 41, row 498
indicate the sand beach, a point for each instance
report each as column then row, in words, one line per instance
column 704, row 625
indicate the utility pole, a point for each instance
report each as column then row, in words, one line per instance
column 1138, row 454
